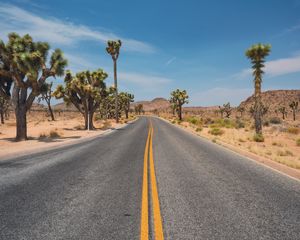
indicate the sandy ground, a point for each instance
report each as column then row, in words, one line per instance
column 45, row 134
column 279, row 150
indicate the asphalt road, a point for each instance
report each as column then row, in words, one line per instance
column 93, row 190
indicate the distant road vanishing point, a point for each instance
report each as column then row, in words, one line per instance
column 148, row 180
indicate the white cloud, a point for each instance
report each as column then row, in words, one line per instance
column 53, row 30
column 274, row 68
column 170, row 61
column 143, row 80
column 219, row 96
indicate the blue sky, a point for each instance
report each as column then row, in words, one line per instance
column 194, row 45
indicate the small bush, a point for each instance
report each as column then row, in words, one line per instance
column 275, row 120
column 216, row 131
column 239, row 124
column 293, row 130
column 214, row 140
column 241, row 140
column 277, row 144
column 54, row 134
column 298, row 142
column 193, row 120
column 199, row 129
column 173, row 121
column 285, row 153
column 266, row 123
column 42, row 135
column 258, row 138
column 208, row 121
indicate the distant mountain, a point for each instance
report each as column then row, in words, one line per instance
column 157, row 103
column 64, row 107
column 274, row 99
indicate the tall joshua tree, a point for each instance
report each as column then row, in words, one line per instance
column 179, row 98
column 113, row 48
column 294, row 106
column 24, row 62
column 85, row 91
column 257, row 54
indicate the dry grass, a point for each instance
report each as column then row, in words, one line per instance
column 281, row 143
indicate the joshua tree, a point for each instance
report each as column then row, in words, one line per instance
column 4, row 105
column 294, row 107
column 283, row 111
column 139, row 109
column 125, row 100
column 227, row 109
column 179, row 98
column 23, row 62
column 113, row 48
column 85, row 91
column 221, row 111
column 46, row 95
column 257, row 54
column 241, row 110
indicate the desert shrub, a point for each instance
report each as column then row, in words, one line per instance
column 199, row 129
column 293, row 130
column 42, row 135
column 193, row 120
column 266, row 123
column 241, row 140
column 298, row 142
column 173, row 121
column 258, row 138
column 79, row 127
column 284, row 153
column 216, row 131
column 275, row 120
column 239, row 124
column 208, row 121
column 214, row 140
column 277, row 144
column 54, row 134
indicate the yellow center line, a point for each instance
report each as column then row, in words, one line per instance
column 157, row 220
column 144, row 210
column 158, row 229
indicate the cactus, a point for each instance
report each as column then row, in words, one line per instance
column 294, row 106
column 125, row 100
column 283, row 111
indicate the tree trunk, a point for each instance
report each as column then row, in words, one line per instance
column 180, row 113
column 88, row 120
column 126, row 114
column 257, row 107
column 116, row 92
column 2, row 116
column 21, row 122
column 294, row 115
column 19, row 100
column 51, row 112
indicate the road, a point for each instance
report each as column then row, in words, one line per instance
column 147, row 180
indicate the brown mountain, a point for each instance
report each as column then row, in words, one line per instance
column 274, row 99
column 156, row 103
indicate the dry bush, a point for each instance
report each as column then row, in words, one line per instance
column 54, row 134
column 293, row 130
column 258, row 138
column 284, row 153
column 216, row 131
column 298, row 142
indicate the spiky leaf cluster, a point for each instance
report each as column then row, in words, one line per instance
column 113, row 48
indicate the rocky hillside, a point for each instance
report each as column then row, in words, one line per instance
column 275, row 99
column 157, row 103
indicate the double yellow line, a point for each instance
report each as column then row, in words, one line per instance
column 157, row 221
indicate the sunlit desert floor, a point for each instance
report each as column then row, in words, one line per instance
column 44, row 133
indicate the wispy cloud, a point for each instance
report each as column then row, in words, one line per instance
column 274, row 68
column 170, row 61
column 53, row 30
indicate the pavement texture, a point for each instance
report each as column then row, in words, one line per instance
column 93, row 190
